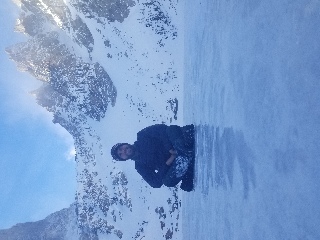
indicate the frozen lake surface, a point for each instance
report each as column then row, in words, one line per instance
column 252, row 86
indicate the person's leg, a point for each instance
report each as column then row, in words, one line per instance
column 177, row 171
column 187, row 183
column 174, row 132
column 182, row 139
column 177, row 137
column 188, row 135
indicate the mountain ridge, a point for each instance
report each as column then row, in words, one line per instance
column 59, row 225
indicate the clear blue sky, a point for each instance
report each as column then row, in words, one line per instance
column 37, row 176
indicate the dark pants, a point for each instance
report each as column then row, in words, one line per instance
column 182, row 138
column 182, row 168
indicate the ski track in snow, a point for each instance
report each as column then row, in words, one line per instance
column 254, row 67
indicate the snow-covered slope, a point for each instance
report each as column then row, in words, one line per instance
column 109, row 68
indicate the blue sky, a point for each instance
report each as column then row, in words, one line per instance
column 37, row 173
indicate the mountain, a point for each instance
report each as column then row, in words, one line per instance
column 108, row 69
column 59, row 225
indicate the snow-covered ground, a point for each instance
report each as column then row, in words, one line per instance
column 252, row 86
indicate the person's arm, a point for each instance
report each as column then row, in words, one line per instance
column 153, row 178
column 157, row 133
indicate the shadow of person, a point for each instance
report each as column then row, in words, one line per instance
column 217, row 150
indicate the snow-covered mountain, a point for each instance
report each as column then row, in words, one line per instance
column 59, row 225
column 105, row 64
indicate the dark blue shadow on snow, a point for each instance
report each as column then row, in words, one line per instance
column 216, row 153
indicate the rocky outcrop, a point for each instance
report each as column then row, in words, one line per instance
column 159, row 20
column 112, row 10
column 68, row 81
column 39, row 16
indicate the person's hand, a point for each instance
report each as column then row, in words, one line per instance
column 172, row 157
column 173, row 152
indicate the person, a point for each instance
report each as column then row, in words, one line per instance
column 163, row 155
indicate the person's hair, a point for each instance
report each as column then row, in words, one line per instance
column 114, row 151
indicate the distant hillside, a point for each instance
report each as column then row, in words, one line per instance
column 60, row 225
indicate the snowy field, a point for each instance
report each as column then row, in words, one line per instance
column 252, row 86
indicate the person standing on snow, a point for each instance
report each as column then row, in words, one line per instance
column 163, row 155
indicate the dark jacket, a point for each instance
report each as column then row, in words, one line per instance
column 153, row 146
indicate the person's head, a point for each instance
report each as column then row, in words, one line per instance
column 122, row 151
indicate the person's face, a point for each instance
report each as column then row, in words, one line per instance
column 125, row 151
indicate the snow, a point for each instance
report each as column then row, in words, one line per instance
column 146, row 77
column 247, row 75
column 254, row 68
